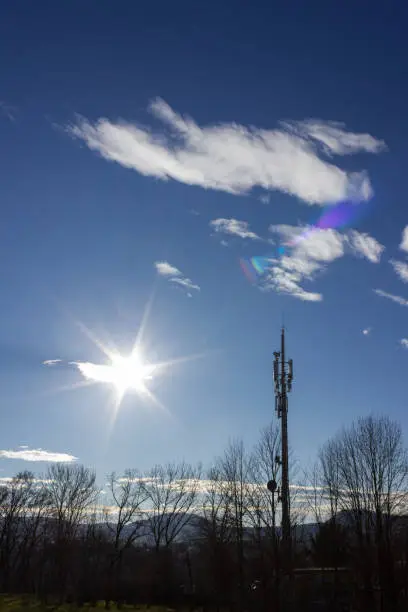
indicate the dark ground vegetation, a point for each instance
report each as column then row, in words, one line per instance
column 177, row 538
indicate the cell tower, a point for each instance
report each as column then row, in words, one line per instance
column 283, row 376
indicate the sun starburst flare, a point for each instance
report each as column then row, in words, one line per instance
column 124, row 373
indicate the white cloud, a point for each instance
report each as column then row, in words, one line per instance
column 365, row 245
column 323, row 245
column 174, row 275
column 284, row 281
column 234, row 227
column 51, row 362
column 394, row 298
column 367, row 331
column 404, row 242
column 336, row 140
column 234, row 158
column 404, row 342
column 299, row 264
column 185, row 282
column 37, row 454
column 265, row 198
column 401, row 268
column 311, row 250
column 165, row 269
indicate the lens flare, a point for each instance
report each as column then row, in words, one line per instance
column 341, row 215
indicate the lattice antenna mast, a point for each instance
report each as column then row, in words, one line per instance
column 283, row 377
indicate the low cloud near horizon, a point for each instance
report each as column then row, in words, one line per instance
column 37, row 454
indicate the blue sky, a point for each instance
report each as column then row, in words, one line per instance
column 195, row 135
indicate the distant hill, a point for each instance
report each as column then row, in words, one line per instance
column 193, row 530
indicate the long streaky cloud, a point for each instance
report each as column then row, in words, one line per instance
column 37, row 454
column 51, row 362
column 186, row 283
column 394, row 298
column 234, row 158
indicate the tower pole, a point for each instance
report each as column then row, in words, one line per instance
column 283, row 376
column 285, row 444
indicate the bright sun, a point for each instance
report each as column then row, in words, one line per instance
column 124, row 373
column 130, row 373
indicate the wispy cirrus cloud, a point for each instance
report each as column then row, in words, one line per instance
column 404, row 241
column 365, row 245
column 311, row 250
column 174, row 275
column 234, row 227
column 234, row 158
column 37, row 454
column 51, row 362
column 336, row 140
column 390, row 296
column 186, row 283
column 309, row 253
column 401, row 269
column 282, row 280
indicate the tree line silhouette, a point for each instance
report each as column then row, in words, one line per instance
column 179, row 535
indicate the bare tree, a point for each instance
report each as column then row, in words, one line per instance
column 14, row 500
column 366, row 475
column 235, row 470
column 263, row 468
column 72, row 492
column 315, row 497
column 127, row 495
column 217, row 532
column 34, row 531
column 94, row 551
column 170, row 494
column 216, row 525
column 264, row 511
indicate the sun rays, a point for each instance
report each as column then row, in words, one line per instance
column 122, row 372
